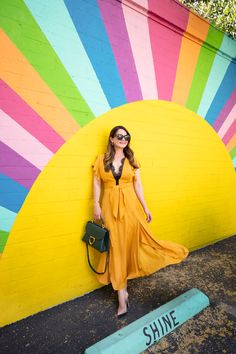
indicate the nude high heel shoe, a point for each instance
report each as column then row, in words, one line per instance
column 124, row 313
column 127, row 306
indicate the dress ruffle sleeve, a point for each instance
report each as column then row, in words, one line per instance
column 96, row 167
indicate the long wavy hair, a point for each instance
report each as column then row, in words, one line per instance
column 110, row 153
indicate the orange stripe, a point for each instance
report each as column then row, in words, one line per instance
column 16, row 71
column 232, row 143
column 192, row 40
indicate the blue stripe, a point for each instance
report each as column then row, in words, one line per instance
column 12, row 194
column 90, row 27
column 225, row 90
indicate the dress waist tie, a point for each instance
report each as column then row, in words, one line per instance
column 118, row 199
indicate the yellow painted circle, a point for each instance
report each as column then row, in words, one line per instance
column 189, row 184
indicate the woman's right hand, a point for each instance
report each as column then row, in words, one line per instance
column 97, row 211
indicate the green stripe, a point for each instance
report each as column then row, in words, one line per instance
column 203, row 67
column 18, row 23
column 3, row 239
column 233, row 152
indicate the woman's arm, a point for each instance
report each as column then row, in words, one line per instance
column 139, row 191
column 97, row 212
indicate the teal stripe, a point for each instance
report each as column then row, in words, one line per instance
column 55, row 21
column 234, row 161
column 217, row 73
column 7, row 219
column 223, row 94
column 203, row 67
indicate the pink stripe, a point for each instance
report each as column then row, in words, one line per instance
column 23, row 114
column 113, row 18
column 142, row 3
column 167, row 23
column 231, row 131
column 225, row 111
column 138, row 31
column 19, row 140
column 228, row 122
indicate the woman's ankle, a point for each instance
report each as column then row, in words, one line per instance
column 122, row 297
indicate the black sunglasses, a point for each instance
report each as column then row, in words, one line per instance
column 120, row 137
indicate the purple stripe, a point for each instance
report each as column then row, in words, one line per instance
column 225, row 111
column 16, row 167
column 112, row 14
column 23, row 114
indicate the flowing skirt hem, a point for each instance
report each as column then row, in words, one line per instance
column 105, row 279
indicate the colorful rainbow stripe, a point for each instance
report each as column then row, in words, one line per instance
column 63, row 63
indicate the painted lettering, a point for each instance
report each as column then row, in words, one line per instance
column 166, row 322
column 162, row 329
column 173, row 318
column 145, row 329
column 155, row 330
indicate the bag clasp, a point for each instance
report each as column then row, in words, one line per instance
column 91, row 240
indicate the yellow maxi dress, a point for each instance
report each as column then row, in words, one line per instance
column 134, row 251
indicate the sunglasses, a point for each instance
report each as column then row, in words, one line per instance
column 121, row 137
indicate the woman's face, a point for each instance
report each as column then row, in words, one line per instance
column 121, row 144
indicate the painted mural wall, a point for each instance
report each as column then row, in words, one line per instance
column 71, row 70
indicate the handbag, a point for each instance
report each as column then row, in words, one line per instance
column 97, row 237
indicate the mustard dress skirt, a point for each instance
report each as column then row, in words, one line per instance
column 134, row 251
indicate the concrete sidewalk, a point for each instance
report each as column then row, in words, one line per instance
column 73, row 326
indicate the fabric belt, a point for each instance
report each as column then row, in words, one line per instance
column 118, row 199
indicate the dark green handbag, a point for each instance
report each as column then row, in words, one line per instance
column 96, row 236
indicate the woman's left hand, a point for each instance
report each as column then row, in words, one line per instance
column 148, row 215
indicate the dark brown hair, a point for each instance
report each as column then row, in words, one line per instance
column 110, row 153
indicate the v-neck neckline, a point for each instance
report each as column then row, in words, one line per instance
column 117, row 175
column 120, row 168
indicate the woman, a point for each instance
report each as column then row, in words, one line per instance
column 134, row 251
